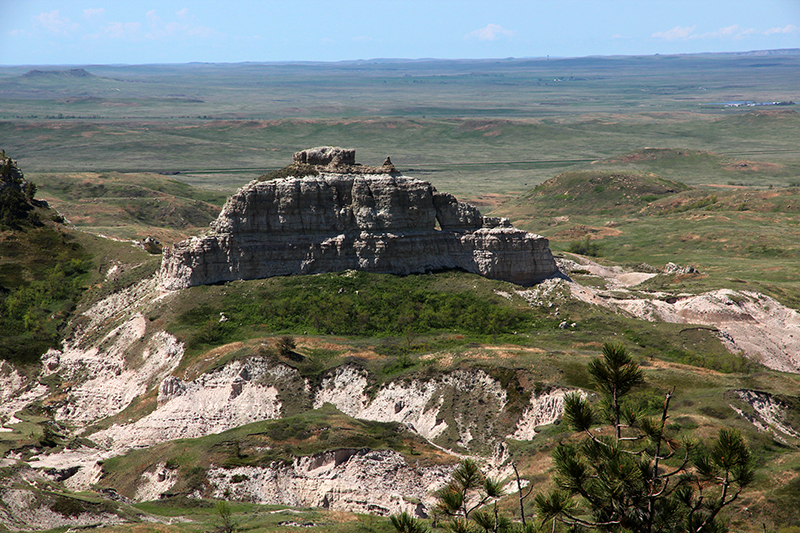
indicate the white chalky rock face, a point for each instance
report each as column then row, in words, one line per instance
column 749, row 322
column 410, row 404
column 240, row 393
column 155, row 482
column 16, row 391
column 27, row 509
column 346, row 390
column 543, row 409
column 111, row 357
column 416, row 403
column 353, row 221
column 114, row 383
column 361, row 481
column 769, row 416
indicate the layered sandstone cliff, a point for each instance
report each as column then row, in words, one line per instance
column 347, row 217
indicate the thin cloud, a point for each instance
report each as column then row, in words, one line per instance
column 791, row 28
column 678, row 33
column 203, row 31
column 491, row 32
column 686, row 33
column 55, row 23
column 122, row 30
column 733, row 32
column 90, row 13
column 160, row 29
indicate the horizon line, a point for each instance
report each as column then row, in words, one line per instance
column 773, row 51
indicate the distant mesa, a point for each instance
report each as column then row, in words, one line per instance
column 70, row 73
column 335, row 215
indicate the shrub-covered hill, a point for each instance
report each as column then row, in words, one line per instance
column 43, row 269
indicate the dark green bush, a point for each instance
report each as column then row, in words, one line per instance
column 584, row 247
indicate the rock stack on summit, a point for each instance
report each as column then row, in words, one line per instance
column 331, row 214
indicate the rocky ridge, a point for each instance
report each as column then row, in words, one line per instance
column 348, row 217
column 456, row 410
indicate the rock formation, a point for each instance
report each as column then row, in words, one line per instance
column 345, row 216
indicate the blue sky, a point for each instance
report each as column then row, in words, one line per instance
column 76, row 32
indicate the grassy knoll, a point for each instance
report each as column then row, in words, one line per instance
column 271, row 443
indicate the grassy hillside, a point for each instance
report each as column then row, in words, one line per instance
column 731, row 233
column 131, row 206
column 596, row 193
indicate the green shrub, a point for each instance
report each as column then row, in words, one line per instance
column 286, row 345
column 584, row 247
column 32, row 313
column 357, row 304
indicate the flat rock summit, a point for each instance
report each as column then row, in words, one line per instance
column 331, row 214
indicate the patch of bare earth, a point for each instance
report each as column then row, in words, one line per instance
column 580, row 231
column 749, row 322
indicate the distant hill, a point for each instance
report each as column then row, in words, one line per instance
column 595, row 192
column 69, row 73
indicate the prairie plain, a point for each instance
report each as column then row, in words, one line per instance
column 624, row 163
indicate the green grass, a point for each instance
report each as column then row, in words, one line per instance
column 354, row 304
column 597, row 192
column 131, row 206
column 736, row 237
column 43, row 272
column 407, row 315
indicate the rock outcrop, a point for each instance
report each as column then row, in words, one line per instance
column 362, row 481
column 349, row 217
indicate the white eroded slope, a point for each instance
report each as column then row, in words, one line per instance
column 239, row 393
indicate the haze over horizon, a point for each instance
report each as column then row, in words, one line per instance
column 56, row 32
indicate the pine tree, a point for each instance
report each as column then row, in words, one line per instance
column 638, row 478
